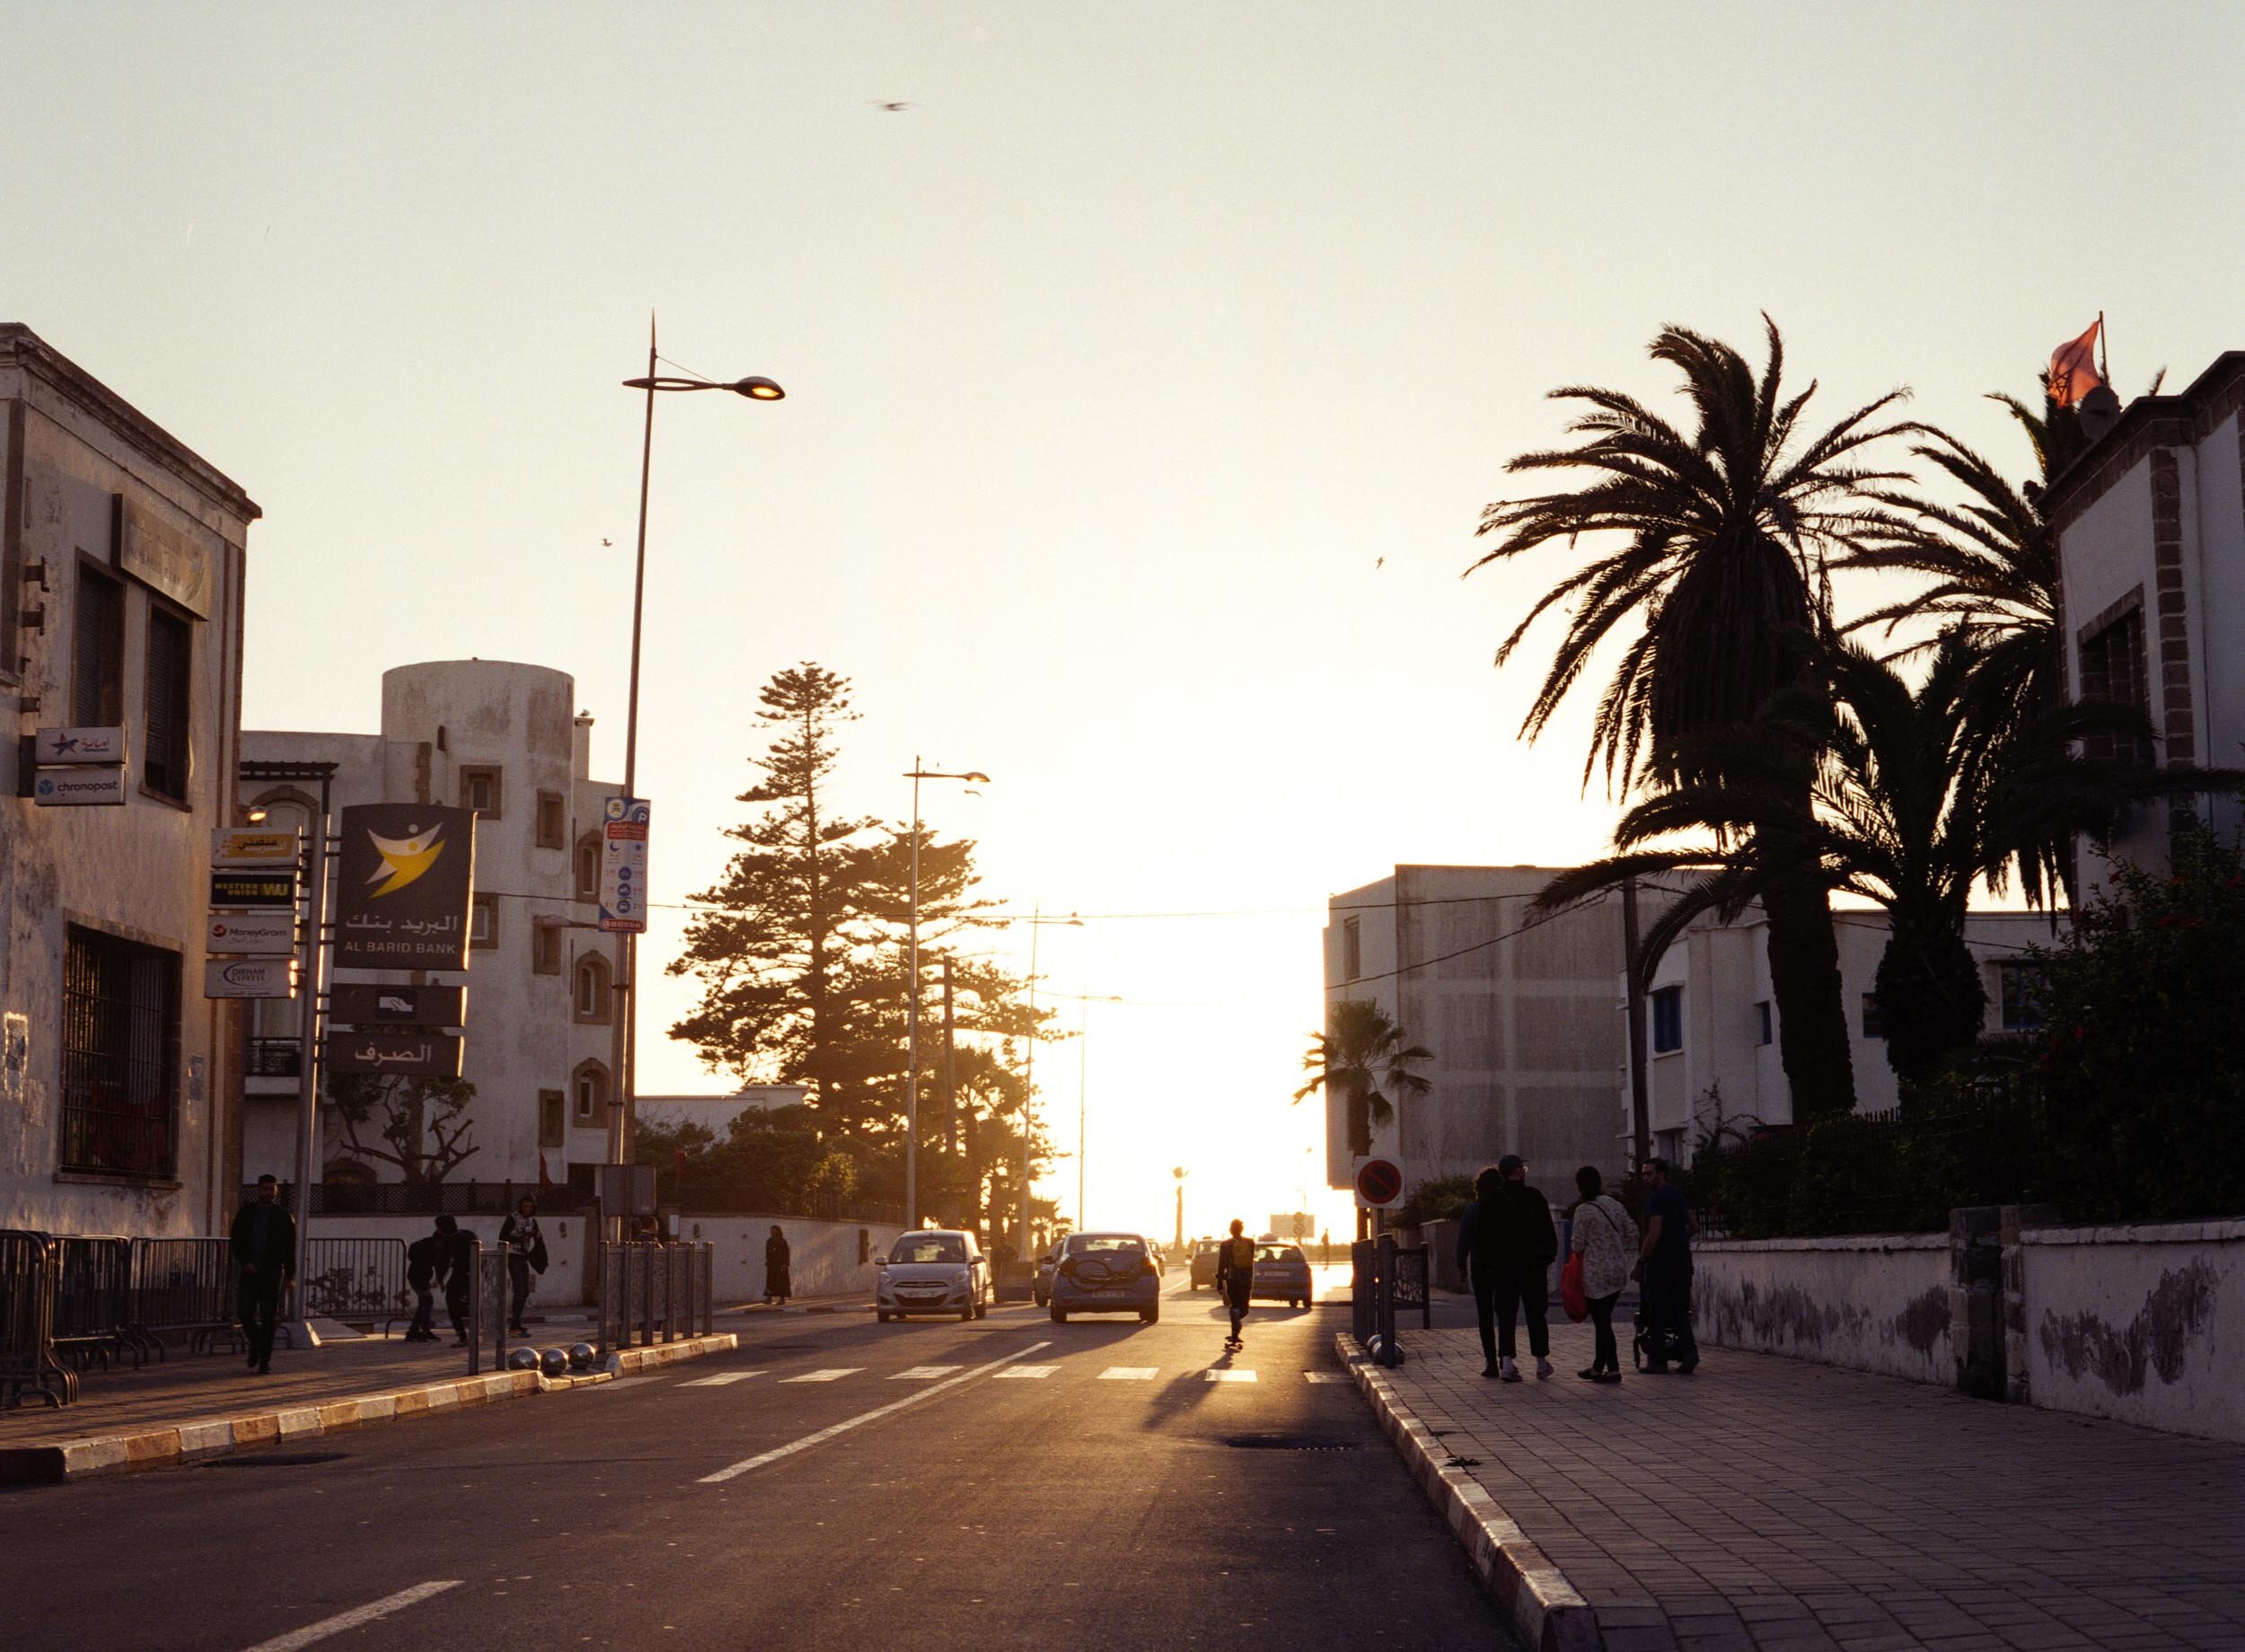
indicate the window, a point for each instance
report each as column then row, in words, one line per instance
column 590, row 1088
column 1352, row 950
column 1763, row 1034
column 545, row 947
column 97, row 660
column 591, row 989
column 2112, row 669
column 552, row 1120
column 2019, row 993
column 169, row 704
column 483, row 921
column 1874, row 1023
column 121, row 1055
column 479, row 791
column 1668, row 1020
column 588, row 867
column 553, row 821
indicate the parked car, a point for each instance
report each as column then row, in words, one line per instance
column 1203, row 1265
column 1282, row 1270
column 936, row 1271
column 1047, row 1265
column 1105, row 1273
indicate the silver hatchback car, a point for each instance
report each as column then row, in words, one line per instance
column 1106, row 1273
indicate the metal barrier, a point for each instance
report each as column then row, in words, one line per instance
column 182, row 1285
column 93, row 1312
column 1413, row 1270
column 1373, row 1290
column 354, row 1278
column 651, row 1293
column 28, row 1269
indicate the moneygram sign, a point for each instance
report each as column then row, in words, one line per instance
column 405, row 882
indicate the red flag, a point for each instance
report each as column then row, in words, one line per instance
column 544, row 1180
column 2074, row 367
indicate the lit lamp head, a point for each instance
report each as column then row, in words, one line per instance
column 757, row 388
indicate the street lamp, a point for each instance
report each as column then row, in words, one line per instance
column 1083, row 1078
column 912, row 995
column 1037, row 921
column 622, row 1041
column 1181, row 1173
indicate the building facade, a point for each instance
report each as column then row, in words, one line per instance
column 505, row 741
column 122, row 561
column 2151, row 524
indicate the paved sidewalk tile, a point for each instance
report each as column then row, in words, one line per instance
column 1768, row 1505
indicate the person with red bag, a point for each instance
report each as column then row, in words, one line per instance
column 1605, row 1247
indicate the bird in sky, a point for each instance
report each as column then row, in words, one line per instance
column 1380, row 564
column 606, row 543
column 893, row 109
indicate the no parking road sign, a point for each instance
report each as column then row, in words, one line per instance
column 1380, row 1183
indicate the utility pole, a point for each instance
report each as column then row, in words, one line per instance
column 1640, row 1102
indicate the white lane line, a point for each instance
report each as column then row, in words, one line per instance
column 833, row 1374
column 720, row 1379
column 824, row 1434
column 1324, row 1376
column 925, row 1374
column 1030, row 1372
column 1130, row 1373
column 367, row 1613
column 1217, row 1373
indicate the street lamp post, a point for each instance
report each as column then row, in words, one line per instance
column 622, row 1042
column 1037, row 922
column 912, row 999
column 1083, row 1090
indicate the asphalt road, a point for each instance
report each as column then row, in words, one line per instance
column 1012, row 1491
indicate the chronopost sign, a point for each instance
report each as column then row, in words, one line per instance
column 404, row 886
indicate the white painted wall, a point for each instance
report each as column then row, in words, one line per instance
column 1871, row 1302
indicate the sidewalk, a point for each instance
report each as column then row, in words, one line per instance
column 1771, row 1504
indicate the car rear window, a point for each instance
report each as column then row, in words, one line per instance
column 1279, row 1254
column 930, row 1248
column 1096, row 1244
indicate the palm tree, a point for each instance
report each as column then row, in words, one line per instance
column 1720, row 543
column 1912, row 809
column 1363, row 1055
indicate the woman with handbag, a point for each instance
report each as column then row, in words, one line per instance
column 1604, row 1246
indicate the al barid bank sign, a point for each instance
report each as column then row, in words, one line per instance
column 404, row 887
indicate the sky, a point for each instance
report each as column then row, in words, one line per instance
column 1146, row 377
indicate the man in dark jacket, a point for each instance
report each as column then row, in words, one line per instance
column 1507, row 1241
column 262, row 1243
column 458, row 1271
column 423, row 1267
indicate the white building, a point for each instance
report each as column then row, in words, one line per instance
column 1712, row 1021
column 2151, row 525
column 122, row 560
column 715, row 1113
column 505, row 741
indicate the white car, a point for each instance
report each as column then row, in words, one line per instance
column 935, row 1270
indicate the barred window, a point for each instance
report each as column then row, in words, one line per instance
column 121, row 1055
column 169, row 704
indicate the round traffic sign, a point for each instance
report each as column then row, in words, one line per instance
column 1380, row 1183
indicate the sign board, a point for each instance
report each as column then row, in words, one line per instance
column 626, row 1189
column 166, row 552
column 79, row 745
column 1380, row 1183
column 79, row 788
column 250, row 977
column 264, row 890
column 263, row 934
column 253, row 846
column 398, row 1006
column 409, row 1055
column 404, row 886
column 623, row 866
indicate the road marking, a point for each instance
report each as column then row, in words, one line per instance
column 1217, row 1373
column 720, row 1379
column 367, row 1613
column 824, row 1434
column 1029, row 1372
column 833, row 1374
column 1325, row 1376
column 924, row 1374
column 1130, row 1373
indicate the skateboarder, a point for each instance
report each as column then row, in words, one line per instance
column 1235, row 1277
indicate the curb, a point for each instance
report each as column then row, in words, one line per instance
column 1542, row 1607
column 195, row 1442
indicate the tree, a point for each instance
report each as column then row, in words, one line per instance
column 418, row 1124
column 1362, row 1054
column 1716, row 544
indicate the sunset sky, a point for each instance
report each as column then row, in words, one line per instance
column 1146, row 377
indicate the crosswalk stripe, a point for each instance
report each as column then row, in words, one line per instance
column 1030, row 1372
column 925, row 1374
column 721, row 1379
column 1324, row 1376
column 833, row 1374
column 1217, row 1373
column 1130, row 1373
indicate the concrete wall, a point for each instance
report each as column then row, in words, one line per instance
column 1871, row 1302
column 2145, row 1324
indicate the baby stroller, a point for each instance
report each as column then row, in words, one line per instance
column 1639, row 1343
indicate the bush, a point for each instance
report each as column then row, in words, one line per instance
column 1435, row 1200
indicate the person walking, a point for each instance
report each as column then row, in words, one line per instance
column 1665, row 1260
column 1236, row 1277
column 777, row 1287
column 456, row 1268
column 525, row 1254
column 262, row 1244
column 1605, row 1239
column 1507, row 1241
column 424, row 1266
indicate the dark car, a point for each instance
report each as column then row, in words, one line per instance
column 1106, row 1273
